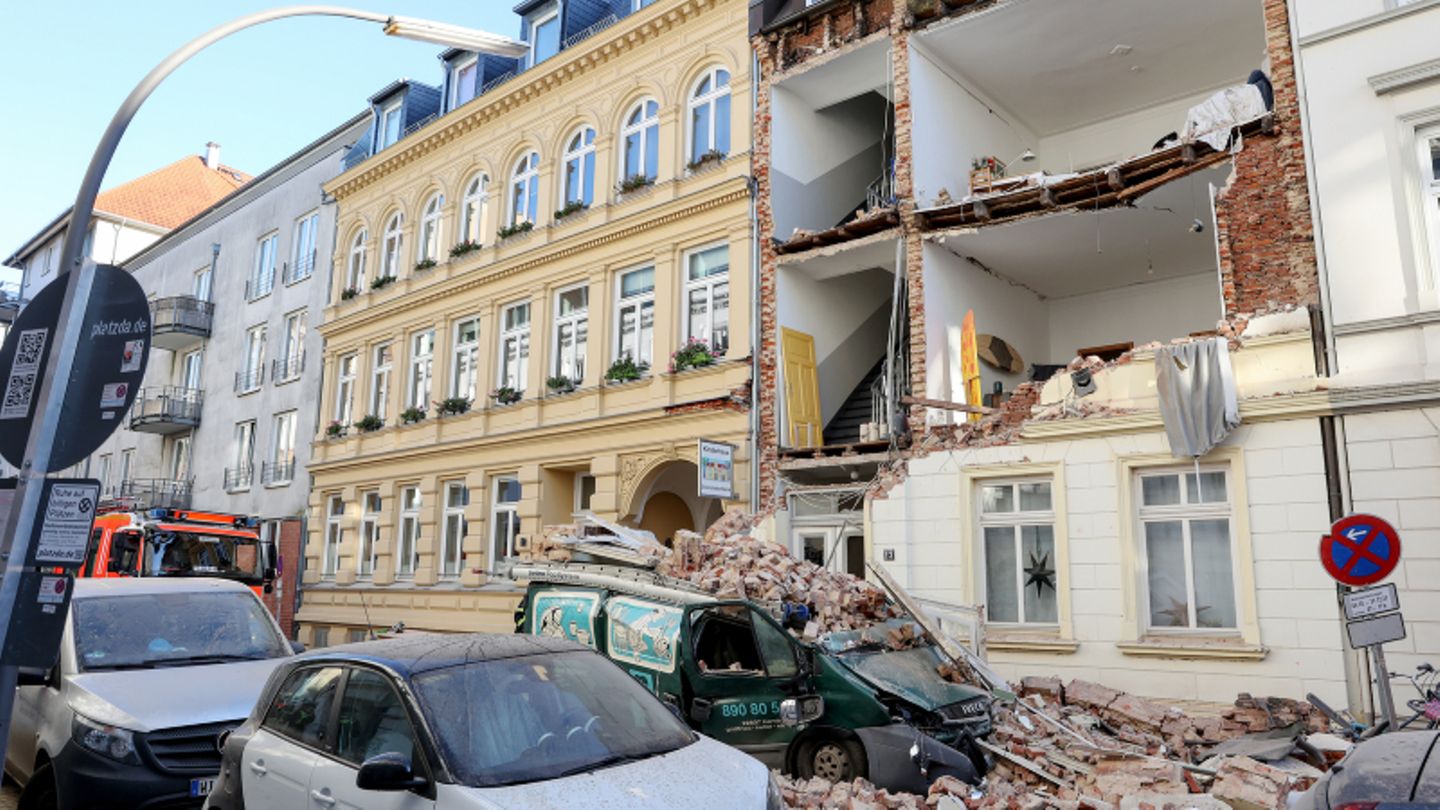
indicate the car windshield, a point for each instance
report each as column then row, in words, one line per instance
column 542, row 717
column 188, row 554
column 172, row 629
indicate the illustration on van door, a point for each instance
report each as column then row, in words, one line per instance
column 565, row 614
column 643, row 633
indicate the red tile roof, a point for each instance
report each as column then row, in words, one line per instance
column 173, row 194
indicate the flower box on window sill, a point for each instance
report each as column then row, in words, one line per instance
column 506, row 395
column 692, row 355
column 1187, row 646
column 572, row 212
column 718, row 365
column 382, row 282
column 412, row 416
column 453, row 406
column 369, row 423
column 515, row 233
column 615, row 384
column 707, row 162
column 464, row 249
column 349, row 293
column 425, row 264
column 336, row 430
column 633, row 188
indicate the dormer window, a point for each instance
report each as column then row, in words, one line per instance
column 390, row 124
column 463, row 81
column 544, row 37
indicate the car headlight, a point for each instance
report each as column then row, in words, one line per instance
column 773, row 799
column 109, row 741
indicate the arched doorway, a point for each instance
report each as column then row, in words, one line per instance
column 665, row 514
column 666, row 500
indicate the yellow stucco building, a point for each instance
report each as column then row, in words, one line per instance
column 544, row 239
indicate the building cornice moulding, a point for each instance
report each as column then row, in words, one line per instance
column 613, row 42
column 1371, row 21
column 1405, row 77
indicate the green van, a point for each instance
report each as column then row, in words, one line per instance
column 845, row 706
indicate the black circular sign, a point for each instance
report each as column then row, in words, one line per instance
column 109, row 366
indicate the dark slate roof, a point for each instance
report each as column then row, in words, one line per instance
column 411, row 653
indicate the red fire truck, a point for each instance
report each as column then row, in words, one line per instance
column 180, row 543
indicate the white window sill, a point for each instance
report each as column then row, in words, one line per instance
column 1194, row 647
column 1020, row 641
column 279, row 484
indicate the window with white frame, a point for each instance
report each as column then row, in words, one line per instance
column 525, row 189
column 370, row 504
column 1017, row 530
column 334, row 536
column 635, row 316
column 514, row 346
column 408, row 543
column 392, row 248
column 345, row 387
column 422, row 362
column 104, row 477
column 1428, row 143
column 127, row 465
column 463, row 80
column 544, row 37
column 572, row 329
column 302, row 262
column 707, row 297
column 242, row 454
column 200, row 285
column 472, row 208
column 384, row 359
column 282, row 450
column 292, row 348
column 190, row 367
column 1187, row 550
column 640, row 142
column 430, row 229
column 355, row 267
column 180, row 459
column 504, row 519
column 710, row 115
column 465, row 359
column 584, row 492
column 262, row 275
column 579, row 174
column 253, row 371
column 390, row 124
column 452, row 552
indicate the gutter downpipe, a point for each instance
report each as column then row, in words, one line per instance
column 1337, row 463
column 755, row 385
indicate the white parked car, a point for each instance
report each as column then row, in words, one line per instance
column 480, row 722
column 151, row 673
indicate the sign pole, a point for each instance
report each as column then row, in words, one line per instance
column 1382, row 681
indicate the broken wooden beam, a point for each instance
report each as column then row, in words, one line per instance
column 945, row 404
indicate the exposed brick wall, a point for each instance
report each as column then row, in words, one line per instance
column 810, row 37
column 1267, row 244
column 766, row 453
column 281, row 600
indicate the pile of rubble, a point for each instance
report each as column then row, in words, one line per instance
column 1084, row 745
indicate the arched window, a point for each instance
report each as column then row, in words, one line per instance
column 472, row 207
column 710, row 116
column 524, row 189
column 640, row 140
column 580, row 168
column 390, row 253
column 355, row 270
column 430, row 229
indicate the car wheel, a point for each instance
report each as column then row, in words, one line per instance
column 40, row 792
column 832, row 758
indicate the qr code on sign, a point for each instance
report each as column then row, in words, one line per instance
column 29, row 350
column 18, row 394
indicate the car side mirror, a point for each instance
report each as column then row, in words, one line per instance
column 297, row 647
column 388, row 772
column 801, row 710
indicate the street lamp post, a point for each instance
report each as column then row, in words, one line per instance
column 15, row 542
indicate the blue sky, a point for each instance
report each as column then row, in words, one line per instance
column 261, row 94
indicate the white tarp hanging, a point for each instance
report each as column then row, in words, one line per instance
column 1198, row 402
column 1211, row 120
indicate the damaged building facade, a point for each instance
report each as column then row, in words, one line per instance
column 983, row 225
column 521, row 253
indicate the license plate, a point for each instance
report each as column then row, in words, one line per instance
column 200, row 788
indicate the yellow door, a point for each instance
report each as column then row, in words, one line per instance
column 802, row 388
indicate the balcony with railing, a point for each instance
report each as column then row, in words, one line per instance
column 10, row 301
column 166, row 409
column 286, row 369
column 239, row 478
column 250, row 379
column 277, row 473
column 180, row 321
column 299, row 270
column 152, row 493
